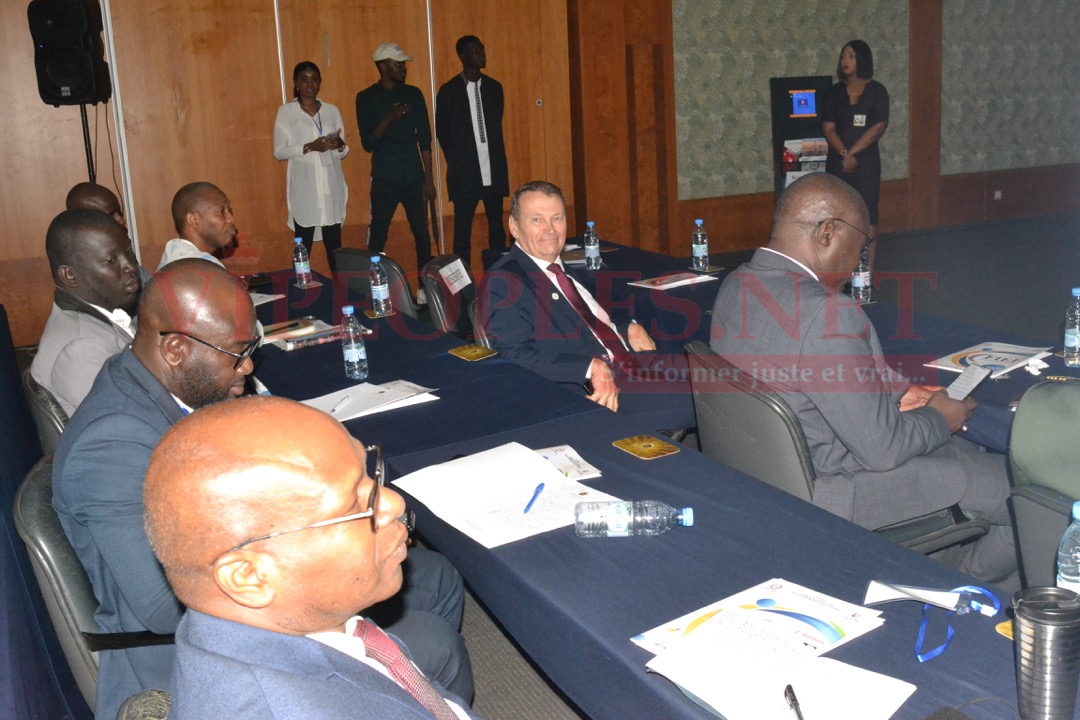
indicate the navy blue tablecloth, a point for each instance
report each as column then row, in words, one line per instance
column 573, row 604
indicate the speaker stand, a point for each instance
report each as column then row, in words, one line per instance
column 86, row 143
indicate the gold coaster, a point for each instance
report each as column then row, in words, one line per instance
column 1005, row 627
column 473, row 352
column 372, row 315
column 646, row 447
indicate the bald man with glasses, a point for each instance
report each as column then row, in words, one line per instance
column 278, row 545
column 883, row 449
column 193, row 348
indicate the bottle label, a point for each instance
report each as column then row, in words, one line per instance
column 380, row 293
column 302, row 267
column 701, row 250
column 619, row 517
column 592, row 251
column 1072, row 338
column 860, row 280
column 354, row 353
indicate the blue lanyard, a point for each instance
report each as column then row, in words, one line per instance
column 967, row 604
column 316, row 118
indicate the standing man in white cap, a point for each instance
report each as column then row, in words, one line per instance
column 394, row 128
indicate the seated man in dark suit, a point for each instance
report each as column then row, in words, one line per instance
column 193, row 348
column 882, row 448
column 275, row 540
column 93, row 314
column 540, row 317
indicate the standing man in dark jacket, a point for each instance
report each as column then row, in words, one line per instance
column 468, row 125
column 394, row 128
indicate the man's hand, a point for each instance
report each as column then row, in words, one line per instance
column 917, row 395
column 639, row 339
column 397, row 111
column 429, row 188
column 605, row 392
column 849, row 163
column 955, row 412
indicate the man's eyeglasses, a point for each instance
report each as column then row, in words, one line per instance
column 240, row 356
column 372, row 505
column 869, row 239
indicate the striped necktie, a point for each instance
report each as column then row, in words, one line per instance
column 380, row 648
column 479, row 111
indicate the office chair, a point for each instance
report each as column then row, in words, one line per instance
column 49, row 416
column 354, row 264
column 448, row 309
column 1043, row 466
column 756, row 432
column 69, row 596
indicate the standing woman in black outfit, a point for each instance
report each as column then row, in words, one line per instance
column 854, row 118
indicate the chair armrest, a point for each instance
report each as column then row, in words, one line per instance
column 935, row 531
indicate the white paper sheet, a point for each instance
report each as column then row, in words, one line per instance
column 484, row 495
column 366, row 399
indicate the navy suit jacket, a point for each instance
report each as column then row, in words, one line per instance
column 98, row 493
column 531, row 323
column 228, row 670
column 453, row 129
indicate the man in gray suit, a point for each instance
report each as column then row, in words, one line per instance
column 882, row 448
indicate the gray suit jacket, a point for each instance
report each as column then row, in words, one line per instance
column 228, row 670
column 76, row 342
column 817, row 348
column 97, row 491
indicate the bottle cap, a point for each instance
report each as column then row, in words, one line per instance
column 376, row 259
column 698, row 222
column 347, row 310
column 1076, row 510
column 300, row 241
column 590, row 223
column 1076, row 292
column 686, row 517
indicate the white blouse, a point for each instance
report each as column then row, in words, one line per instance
column 317, row 193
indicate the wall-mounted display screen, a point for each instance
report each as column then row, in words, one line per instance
column 803, row 103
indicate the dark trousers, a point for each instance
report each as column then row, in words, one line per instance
column 331, row 238
column 386, row 195
column 464, row 208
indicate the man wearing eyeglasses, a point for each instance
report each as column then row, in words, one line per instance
column 883, row 449
column 192, row 349
column 275, row 543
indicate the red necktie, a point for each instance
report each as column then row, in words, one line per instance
column 607, row 337
column 380, row 648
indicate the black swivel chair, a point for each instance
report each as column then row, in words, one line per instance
column 1045, row 484
column 449, row 310
column 49, row 416
column 353, row 264
column 69, row 596
column 756, row 432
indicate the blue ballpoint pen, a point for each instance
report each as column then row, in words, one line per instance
column 536, row 493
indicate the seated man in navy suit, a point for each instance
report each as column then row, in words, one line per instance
column 540, row 317
column 274, row 540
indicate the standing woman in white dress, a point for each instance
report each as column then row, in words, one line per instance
column 309, row 134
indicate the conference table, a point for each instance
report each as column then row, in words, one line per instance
column 573, row 604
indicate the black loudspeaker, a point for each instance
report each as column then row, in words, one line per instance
column 68, row 52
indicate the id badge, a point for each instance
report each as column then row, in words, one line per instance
column 860, row 121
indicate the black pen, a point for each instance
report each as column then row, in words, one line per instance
column 792, row 701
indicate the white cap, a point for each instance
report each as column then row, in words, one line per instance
column 390, row 51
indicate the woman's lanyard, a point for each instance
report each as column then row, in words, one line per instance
column 316, row 118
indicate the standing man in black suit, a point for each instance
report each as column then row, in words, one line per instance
column 468, row 126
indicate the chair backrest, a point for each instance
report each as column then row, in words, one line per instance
column 354, row 264
column 751, row 429
column 449, row 310
column 64, row 584
column 1045, row 481
column 49, row 416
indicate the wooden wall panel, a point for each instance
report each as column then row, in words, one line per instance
column 924, row 123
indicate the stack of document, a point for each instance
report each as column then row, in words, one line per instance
column 736, row 657
column 367, row 399
column 507, row 493
column 673, row 280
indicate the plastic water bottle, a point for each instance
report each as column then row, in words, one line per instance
column 592, row 246
column 301, row 263
column 1068, row 560
column 352, row 345
column 380, row 288
column 699, row 244
column 1072, row 331
column 861, row 281
column 623, row 519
